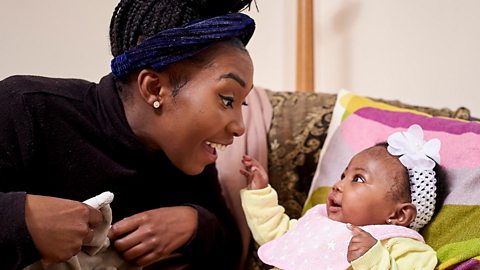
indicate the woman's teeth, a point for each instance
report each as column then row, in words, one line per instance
column 217, row 146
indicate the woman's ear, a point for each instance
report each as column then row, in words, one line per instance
column 404, row 215
column 150, row 84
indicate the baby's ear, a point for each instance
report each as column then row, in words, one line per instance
column 405, row 214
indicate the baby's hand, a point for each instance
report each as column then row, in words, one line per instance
column 257, row 177
column 360, row 243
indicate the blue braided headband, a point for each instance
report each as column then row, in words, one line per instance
column 175, row 44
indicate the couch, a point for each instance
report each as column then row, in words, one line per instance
column 294, row 139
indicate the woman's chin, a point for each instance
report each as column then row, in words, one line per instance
column 192, row 167
column 193, row 170
column 195, row 164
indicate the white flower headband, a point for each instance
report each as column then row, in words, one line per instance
column 419, row 158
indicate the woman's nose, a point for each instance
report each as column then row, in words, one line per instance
column 236, row 126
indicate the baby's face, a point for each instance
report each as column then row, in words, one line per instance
column 363, row 195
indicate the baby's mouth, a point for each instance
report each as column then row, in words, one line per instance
column 333, row 202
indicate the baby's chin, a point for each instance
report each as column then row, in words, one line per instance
column 336, row 217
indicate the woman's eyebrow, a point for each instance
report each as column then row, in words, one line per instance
column 234, row 77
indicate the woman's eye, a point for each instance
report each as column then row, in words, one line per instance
column 227, row 101
column 358, row 179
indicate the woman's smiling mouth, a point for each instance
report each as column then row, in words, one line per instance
column 217, row 146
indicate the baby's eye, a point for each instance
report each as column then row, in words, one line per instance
column 358, row 179
column 227, row 101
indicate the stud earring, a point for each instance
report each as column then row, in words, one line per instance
column 389, row 221
column 156, row 104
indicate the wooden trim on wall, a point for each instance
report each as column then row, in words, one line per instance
column 305, row 57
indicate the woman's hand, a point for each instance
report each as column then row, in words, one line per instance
column 360, row 243
column 59, row 227
column 257, row 177
column 147, row 237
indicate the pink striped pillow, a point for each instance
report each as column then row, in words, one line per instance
column 459, row 218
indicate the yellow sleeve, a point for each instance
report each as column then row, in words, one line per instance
column 398, row 253
column 266, row 219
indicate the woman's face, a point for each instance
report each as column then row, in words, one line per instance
column 206, row 114
column 363, row 194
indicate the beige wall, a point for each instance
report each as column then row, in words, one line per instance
column 60, row 38
column 421, row 52
column 425, row 52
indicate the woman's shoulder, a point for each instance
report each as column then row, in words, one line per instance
column 25, row 84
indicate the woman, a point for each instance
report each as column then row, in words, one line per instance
column 148, row 132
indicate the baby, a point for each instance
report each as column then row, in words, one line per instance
column 372, row 216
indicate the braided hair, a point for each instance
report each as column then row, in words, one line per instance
column 135, row 20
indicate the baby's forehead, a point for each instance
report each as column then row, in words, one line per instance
column 377, row 151
column 379, row 154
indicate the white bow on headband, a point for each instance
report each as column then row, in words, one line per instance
column 414, row 151
column 416, row 155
